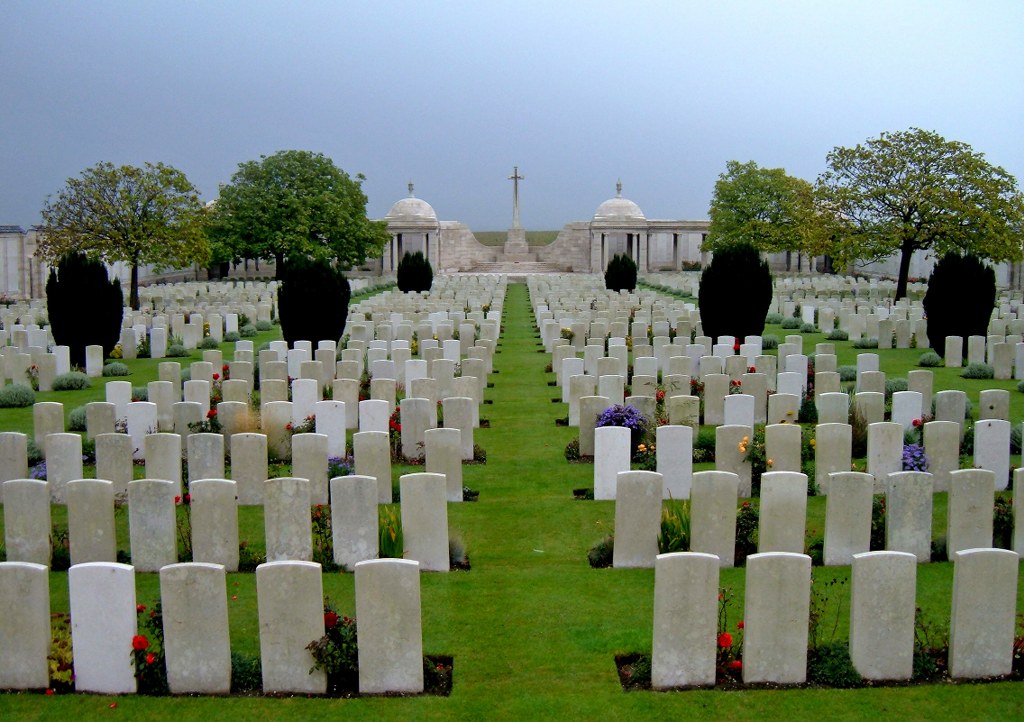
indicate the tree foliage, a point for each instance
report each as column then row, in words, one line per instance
column 914, row 190
column 414, row 273
column 84, row 306
column 149, row 215
column 620, row 274
column 951, row 312
column 312, row 300
column 295, row 203
column 765, row 207
column 735, row 292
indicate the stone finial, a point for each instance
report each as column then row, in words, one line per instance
column 618, row 188
column 411, row 194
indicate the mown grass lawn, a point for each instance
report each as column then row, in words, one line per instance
column 532, row 628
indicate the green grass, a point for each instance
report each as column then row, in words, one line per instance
column 533, row 629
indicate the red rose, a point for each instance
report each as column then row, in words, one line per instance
column 216, row 377
column 212, row 413
column 724, row 639
column 139, row 643
column 330, row 620
column 739, row 625
column 751, row 369
column 150, row 658
column 188, row 499
column 49, row 692
column 177, row 500
column 735, row 665
column 916, row 423
column 140, row 608
column 736, row 347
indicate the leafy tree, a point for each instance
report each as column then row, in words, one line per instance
column 764, row 207
column 149, row 215
column 735, row 292
column 414, row 273
column 915, row 190
column 296, row 203
column 312, row 300
column 620, row 274
column 951, row 312
column 84, row 306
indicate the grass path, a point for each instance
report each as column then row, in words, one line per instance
column 532, row 628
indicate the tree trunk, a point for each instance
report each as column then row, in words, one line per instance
column 279, row 262
column 133, row 293
column 901, row 283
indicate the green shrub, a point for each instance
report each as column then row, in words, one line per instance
column 600, row 555
column 830, row 665
column 309, row 285
column 414, row 273
column 950, row 311
column 837, row 334
column 808, row 328
column 930, row 360
column 71, row 381
column 209, row 343
column 176, row 351
column 85, row 307
column 723, row 311
column 17, row 396
column 247, row 331
column 231, row 336
column 674, row 535
column 704, row 446
column 790, row 323
column 864, row 342
column 847, row 373
column 116, row 369
column 392, row 541
column 769, row 342
column 140, row 393
column 978, row 371
column 264, row 325
column 246, row 673
column 894, row 385
column 773, row 318
column 76, row 419
column 186, row 375
column 620, row 275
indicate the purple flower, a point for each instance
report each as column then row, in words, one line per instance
column 626, row 416
column 914, row 458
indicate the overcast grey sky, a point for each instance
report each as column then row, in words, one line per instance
column 453, row 94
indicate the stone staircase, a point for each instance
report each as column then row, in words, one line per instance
column 517, row 267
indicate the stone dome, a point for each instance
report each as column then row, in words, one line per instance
column 411, row 210
column 618, row 209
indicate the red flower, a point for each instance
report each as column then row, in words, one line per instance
column 330, row 620
column 735, row 665
column 216, row 376
column 188, row 499
column 724, row 639
column 751, row 369
column 288, row 426
column 150, row 658
column 139, row 643
column 211, row 414
column 140, row 608
column 49, row 692
column 736, row 347
column 739, row 625
column 916, row 423
column 177, row 500
column 225, row 367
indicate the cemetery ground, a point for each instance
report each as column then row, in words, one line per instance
column 534, row 630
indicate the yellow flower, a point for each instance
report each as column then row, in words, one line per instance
column 813, row 442
column 641, row 447
column 746, row 439
column 743, row 449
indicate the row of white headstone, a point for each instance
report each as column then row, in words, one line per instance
column 213, row 508
column 783, row 514
column 776, row 608
column 194, row 604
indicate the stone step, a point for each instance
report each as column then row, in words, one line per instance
column 518, row 267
